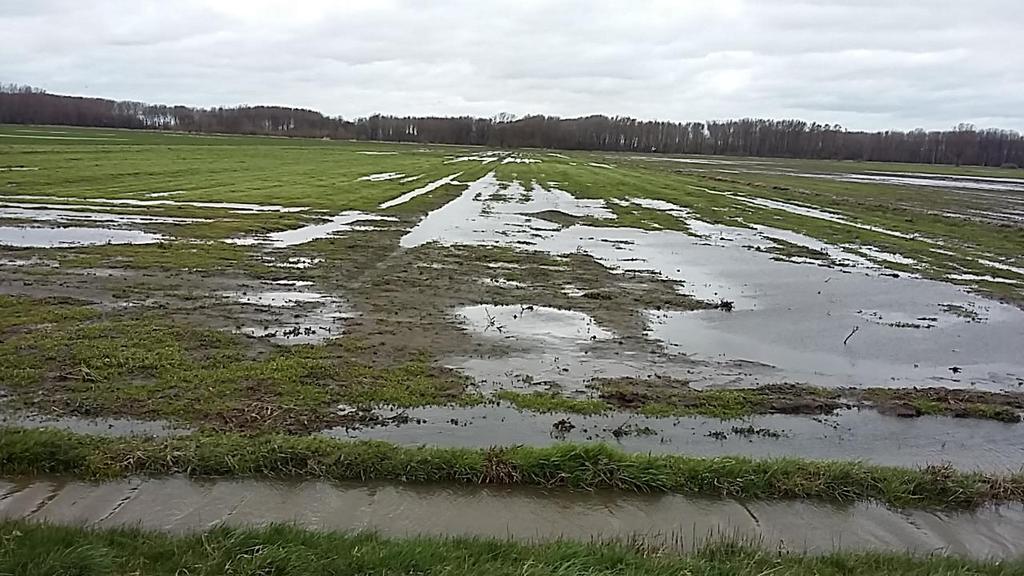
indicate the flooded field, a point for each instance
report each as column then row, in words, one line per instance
column 460, row 297
column 180, row 505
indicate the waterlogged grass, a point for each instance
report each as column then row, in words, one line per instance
column 66, row 358
column 31, row 549
column 167, row 256
column 592, row 466
column 663, row 397
column 667, row 397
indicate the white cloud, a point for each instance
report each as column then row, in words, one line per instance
column 863, row 63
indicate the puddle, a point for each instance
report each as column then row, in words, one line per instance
column 981, row 278
column 531, row 322
column 42, row 137
column 44, row 213
column 878, row 351
column 847, row 435
column 883, row 255
column 296, row 317
column 179, row 505
column 572, row 291
column 834, row 255
column 481, row 158
column 17, row 169
column 45, row 237
column 281, row 299
column 680, row 212
column 520, row 160
column 932, row 180
column 300, row 262
column 550, row 348
column 118, row 427
column 381, row 177
column 569, row 365
column 502, row 283
column 683, row 160
column 790, row 319
column 419, row 191
column 375, row 153
column 343, row 222
column 599, row 165
column 31, row 262
column 322, row 326
column 408, row 179
column 1002, row 266
column 164, row 194
column 233, row 206
column 492, row 212
column 816, row 213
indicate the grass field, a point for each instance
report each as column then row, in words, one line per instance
column 288, row 287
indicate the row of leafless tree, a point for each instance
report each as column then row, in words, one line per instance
column 747, row 137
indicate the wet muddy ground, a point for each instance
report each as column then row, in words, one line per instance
column 447, row 277
column 676, row 523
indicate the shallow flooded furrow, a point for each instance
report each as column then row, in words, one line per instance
column 178, row 505
column 849, row 435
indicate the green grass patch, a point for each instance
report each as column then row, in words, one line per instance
column 33, row 549
column 592, row 466
column 58, row 356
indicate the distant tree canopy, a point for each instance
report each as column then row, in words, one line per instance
column 747, row 137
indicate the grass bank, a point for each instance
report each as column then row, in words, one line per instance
column 36, row 549
column 591, row 466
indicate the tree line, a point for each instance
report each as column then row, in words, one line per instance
column 963, row 144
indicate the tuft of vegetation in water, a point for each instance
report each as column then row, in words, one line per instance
column 546, row 402
column 670, row 397
column 664, row 397
column 590, row 466
column 958, row 403
column 31, row 549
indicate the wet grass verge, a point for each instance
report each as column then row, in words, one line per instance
column 589, row 466
column 31, row 549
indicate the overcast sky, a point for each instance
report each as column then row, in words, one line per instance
column 866, row 64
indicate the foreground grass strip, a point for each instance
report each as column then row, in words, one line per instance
column 589, row 466
column 38, row 549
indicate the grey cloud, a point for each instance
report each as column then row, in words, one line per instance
column 868, row 64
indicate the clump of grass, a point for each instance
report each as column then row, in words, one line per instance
column 547, row 402
column 19, row 311
column 667, row 397
column 958, row 403
column 33, row 549
column 591, row 466
column 664, row 397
